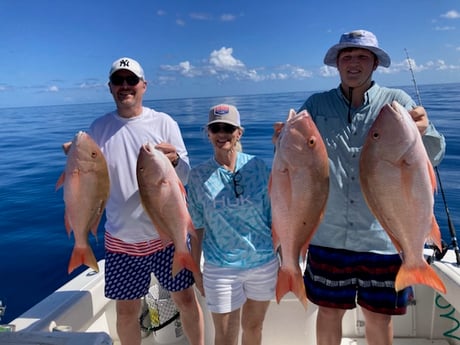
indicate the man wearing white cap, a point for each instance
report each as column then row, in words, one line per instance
column 134, row 249
column 351, row 260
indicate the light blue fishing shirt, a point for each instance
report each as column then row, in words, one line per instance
column 348, row 223
column 237, row 230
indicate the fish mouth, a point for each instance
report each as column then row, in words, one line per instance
column 147, row 147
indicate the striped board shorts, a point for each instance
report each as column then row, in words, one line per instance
column 338, row 278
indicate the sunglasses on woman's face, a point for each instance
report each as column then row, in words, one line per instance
column 225, row 127
column 118, row 80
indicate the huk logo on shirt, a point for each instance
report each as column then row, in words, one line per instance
column 230, row 202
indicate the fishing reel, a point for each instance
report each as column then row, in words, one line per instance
column 438, row 254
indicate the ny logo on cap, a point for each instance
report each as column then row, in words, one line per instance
column 124, row 63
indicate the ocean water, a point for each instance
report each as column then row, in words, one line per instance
column 34, row 247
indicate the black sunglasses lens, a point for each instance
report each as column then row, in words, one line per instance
column 118, row 80
column 217, row 127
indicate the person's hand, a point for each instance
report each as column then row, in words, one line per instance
column 277, row 127
column 420, row 118
column 169, row 151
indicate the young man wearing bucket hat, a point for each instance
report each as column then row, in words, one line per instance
column 133, row 247
column 351, row 259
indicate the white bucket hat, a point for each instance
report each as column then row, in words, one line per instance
column 357, row 39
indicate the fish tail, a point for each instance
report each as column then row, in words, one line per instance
column 82, row 256
column 418, row 275
column 183, row 260
column 290, row 281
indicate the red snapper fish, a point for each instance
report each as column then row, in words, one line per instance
column 86, row 190
column 398, row 184
column 298, row 187
column 163, row 198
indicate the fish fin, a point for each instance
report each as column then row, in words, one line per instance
column 182, row 188
column 303, row 250
column 292, row 113
column 435, row 234
column 66, row 147
column 269, row 184
column 68, row 228
column 276, row 239
column 291, row 281
column 183, row 260
column 97, row 221
column 82, row 256
column 418, row 275
column 191, row 229
column 432, row 175
column 60, row 181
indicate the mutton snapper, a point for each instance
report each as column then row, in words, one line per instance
column 298, row 187
column 163, row 198
column 86, row 190
column 398, row 184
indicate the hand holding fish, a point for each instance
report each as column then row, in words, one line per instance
column 420, row 118
column 169, row 151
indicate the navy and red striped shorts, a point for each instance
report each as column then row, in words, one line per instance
column 128, row 276
column 338, row 278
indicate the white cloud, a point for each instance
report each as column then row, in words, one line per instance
column 444, row 28
column 328, row 71
column 53, row 88
column 180, row 22
column 89, row 85
column 223, row 59
column 223, row 65
column 227, row 17
column 200, row 16
column 453, row 14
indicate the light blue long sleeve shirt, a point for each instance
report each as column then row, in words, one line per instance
column 348, row 223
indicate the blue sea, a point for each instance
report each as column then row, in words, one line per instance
column 34, row 247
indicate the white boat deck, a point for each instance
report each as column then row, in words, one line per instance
column 80, row 306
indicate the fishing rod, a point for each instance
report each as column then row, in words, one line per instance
column 449, row 219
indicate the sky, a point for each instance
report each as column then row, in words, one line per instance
column 59, row 52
